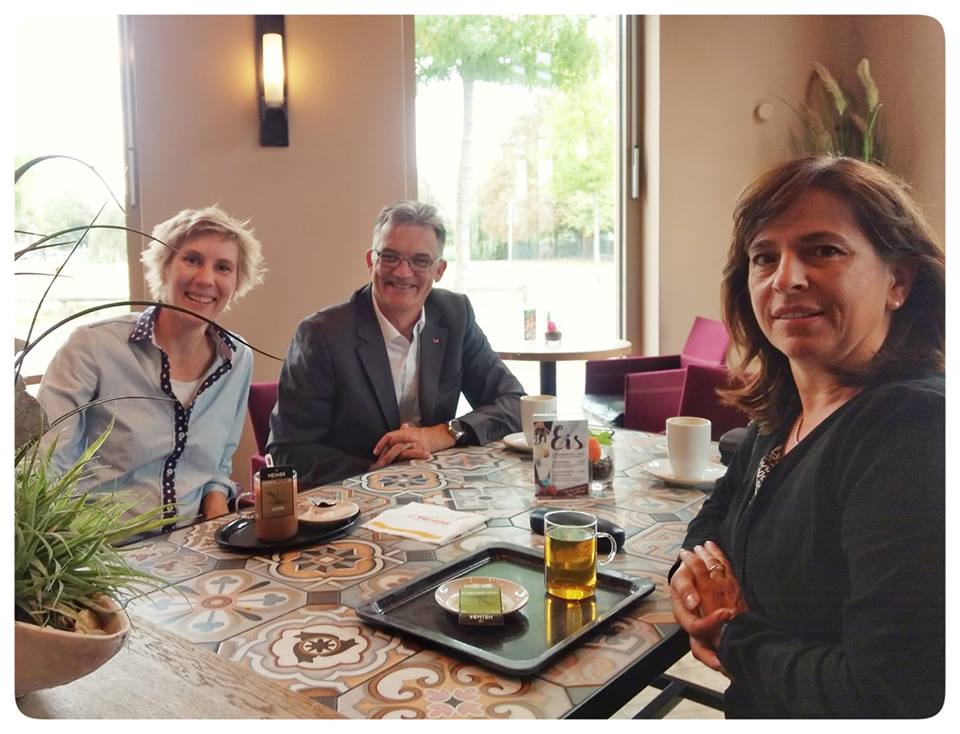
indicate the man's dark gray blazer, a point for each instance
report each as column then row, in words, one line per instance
column 336, row 396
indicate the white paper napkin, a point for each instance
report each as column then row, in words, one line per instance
column 430, row 523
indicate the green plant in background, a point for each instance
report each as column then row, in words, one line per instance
column 844, row 124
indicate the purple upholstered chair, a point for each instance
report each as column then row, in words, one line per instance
column 657, row 381
column 650, row 399
column 262, row 398
column 699, row 398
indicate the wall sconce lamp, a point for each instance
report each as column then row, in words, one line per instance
column 272, row 80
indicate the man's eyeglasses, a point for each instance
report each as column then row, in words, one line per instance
column 419, row 263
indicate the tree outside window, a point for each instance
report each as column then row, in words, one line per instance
column 516, row 120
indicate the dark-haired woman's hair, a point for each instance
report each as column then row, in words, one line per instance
column 893, row 223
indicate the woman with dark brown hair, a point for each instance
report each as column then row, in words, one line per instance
column 813, row 577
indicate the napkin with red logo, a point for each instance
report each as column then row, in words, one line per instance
column 430, row 523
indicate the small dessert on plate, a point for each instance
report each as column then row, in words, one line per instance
column 319, row 512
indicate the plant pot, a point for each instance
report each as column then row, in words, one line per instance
column 48, row 657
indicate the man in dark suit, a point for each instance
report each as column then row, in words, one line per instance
column 377, row 379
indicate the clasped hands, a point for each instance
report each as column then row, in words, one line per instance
column 706, row 595
column 410, row 442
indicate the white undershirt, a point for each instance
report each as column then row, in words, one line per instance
column 404, row 366
column 185, row 391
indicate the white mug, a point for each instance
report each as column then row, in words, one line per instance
column 688, row 446
column 530, row 404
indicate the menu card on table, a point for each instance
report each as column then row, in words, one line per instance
column 560, row 455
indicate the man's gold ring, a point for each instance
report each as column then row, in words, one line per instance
column 717, row 567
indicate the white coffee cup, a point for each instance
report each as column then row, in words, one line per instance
column 530, row 404
column 688, row 446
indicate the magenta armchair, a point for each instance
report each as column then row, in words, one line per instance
column 656, row 383
column 652, row 397
column 260, row 402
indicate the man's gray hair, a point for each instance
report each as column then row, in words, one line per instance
column 409, row 212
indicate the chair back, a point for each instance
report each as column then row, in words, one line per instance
column 699, row 397
column 706, row 344
column 262, row 398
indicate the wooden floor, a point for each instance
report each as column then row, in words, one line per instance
column 690, row 669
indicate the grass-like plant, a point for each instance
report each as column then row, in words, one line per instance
column 843, row 124
column 65, row 561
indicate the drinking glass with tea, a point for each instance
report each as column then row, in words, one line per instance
column 570, row 554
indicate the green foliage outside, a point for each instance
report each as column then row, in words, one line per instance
column 571, row 127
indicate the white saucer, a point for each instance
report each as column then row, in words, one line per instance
column 310, row 514
column 661, row 469
column 517, row 442
column 512, row 595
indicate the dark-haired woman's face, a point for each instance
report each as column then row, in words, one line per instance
column 820, row 292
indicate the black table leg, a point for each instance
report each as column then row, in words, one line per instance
column 548, row 378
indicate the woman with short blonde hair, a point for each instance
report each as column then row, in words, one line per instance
column 174, row 383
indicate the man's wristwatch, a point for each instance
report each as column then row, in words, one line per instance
column 457, row 432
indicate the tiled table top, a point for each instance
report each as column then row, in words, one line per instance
column 290, row 616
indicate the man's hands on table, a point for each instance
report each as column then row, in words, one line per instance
column 411, row 442
column 706, row 595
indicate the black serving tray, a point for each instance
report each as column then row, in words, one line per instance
column 241, row 535
column 529, row 638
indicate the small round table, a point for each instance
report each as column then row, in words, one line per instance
column 549, row 353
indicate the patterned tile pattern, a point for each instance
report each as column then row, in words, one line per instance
column 322, row 649
column 290, row 616
column 432, row 686
column 218, row 604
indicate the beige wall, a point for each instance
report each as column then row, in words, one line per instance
column 313, row 203
column 715, row 70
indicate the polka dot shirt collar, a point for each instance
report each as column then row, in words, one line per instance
column 144, row 327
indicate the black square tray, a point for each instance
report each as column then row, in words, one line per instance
column 530, row 637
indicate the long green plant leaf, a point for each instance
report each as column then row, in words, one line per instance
column 114, row 304
column 43, row 297
column 44, row 242
column 18, row 173
column 26, row 445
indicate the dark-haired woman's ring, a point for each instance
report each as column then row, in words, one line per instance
column 719, row 568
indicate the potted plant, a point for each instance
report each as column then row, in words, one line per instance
column 70, row 582
column 841, row 123
column 69, row 579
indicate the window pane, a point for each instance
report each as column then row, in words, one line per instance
column 516, row 121
column 68, row 102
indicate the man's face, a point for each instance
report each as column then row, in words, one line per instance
column 402, row 287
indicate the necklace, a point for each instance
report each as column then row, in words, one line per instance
column 799, row 426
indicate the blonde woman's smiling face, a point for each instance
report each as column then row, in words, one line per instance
column 202, row 276
column 820, row 292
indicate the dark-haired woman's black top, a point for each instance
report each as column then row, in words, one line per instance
column 841, row 558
